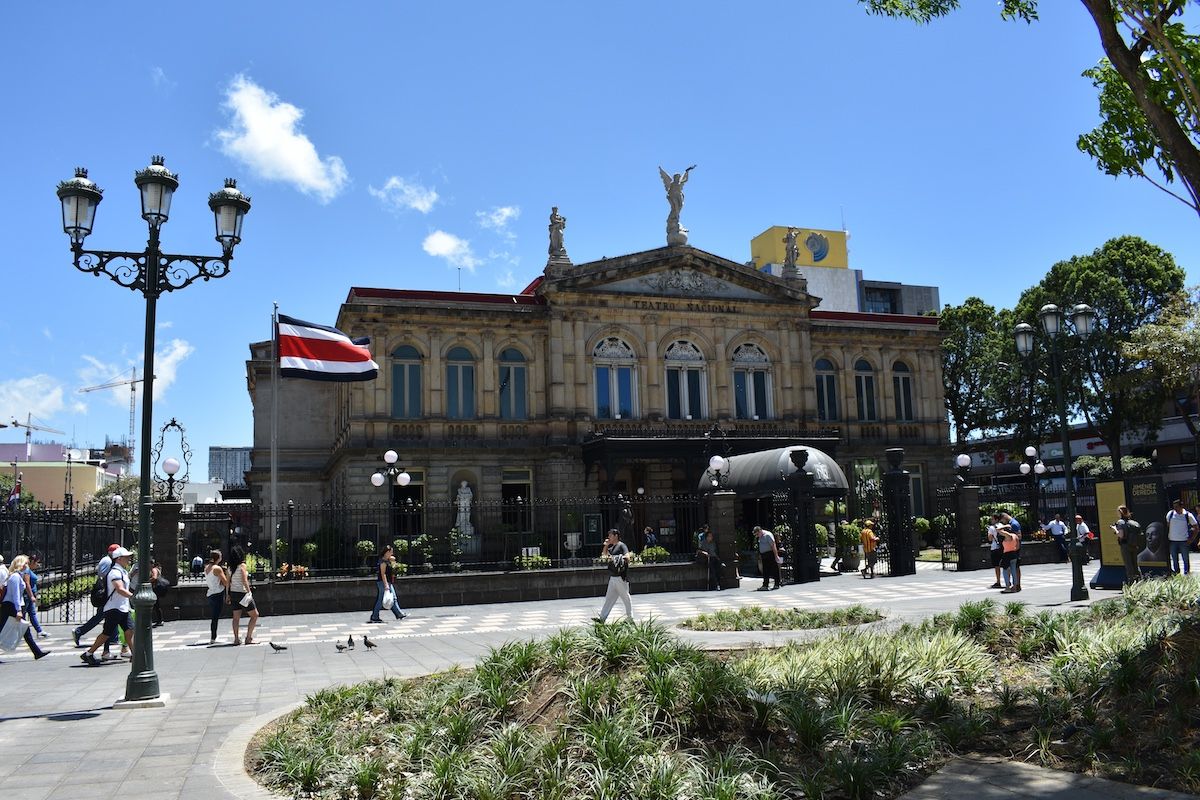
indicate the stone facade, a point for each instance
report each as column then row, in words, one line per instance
column 601, row 377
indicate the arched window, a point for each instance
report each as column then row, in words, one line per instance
column 406, row 382
column 616, row 389
column 460, row 384
column 902, row 389
column 512, row 385
column 864, row 390
column 685, row 381
column 827, row 391
column 751, row 383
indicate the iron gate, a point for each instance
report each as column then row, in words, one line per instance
column 945, row 524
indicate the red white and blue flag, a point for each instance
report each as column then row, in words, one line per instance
column 14, row 497
column 321, row 353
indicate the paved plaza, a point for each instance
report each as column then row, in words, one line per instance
column 61, row 734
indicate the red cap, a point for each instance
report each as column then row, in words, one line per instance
column 112, row 547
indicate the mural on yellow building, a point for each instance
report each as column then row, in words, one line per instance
column 818, row 248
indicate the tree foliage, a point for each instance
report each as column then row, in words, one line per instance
column 1149, row 100
column 1128, row 282
column 970, row 353
column 1102, row 466
column 28, row 501
column 1168, row 350
column 127, row 486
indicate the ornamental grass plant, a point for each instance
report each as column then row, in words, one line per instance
column 630, row 711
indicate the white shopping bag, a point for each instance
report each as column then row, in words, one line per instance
column 13, row 633
column 389, row 599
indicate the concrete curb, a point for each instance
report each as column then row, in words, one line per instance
column 237, row 781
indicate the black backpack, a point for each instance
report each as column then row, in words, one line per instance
column 100, row 591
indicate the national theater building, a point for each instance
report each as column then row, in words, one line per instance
column 609, row 377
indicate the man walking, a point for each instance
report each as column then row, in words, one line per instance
column 1128, row 532
column 618, row 580
column 1058, row 532
column 1181, row 529
column 768, row 556
column 712, row 560
column 101, row 572
column 1010, row 533
column 869, row 541
column 116, row 607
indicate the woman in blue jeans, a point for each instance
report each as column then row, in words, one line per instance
column 385, row 577
column 218, row 591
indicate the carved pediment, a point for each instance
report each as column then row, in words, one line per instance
column 682, row 272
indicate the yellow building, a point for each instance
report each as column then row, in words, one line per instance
column 818, row 248
column 48, row 481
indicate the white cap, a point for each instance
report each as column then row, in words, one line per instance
column 121, row 552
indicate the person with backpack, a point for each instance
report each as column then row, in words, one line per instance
column 13, row 603
column 1129, row 537
column 618, row 581
column 1181, row 531
column 98, row 596
column 116, row 606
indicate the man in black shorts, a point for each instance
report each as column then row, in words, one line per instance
column 116, row 607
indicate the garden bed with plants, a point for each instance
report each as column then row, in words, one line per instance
column 761, row 618
column 629, row 711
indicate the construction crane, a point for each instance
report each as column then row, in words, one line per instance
column 132, row 381
column 29, row 429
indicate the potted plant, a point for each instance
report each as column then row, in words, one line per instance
column 365, row 549
column 846, row 541
column 821, row 539
column 309, row 550
column 655, row 555
column 573, row 535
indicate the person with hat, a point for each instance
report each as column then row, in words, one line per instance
column 1181, row 530
column 116, row 607
column 1083, row 535
column 102, row 569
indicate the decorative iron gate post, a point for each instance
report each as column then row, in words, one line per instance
column 802, row 544
column 971, row 554
column 720, row 514
column 897, row 503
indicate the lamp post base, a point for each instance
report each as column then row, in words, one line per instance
column 1079, row 593
column 154, row 702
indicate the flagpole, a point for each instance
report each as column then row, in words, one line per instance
column 274, row 435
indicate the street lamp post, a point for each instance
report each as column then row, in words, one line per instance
column 392, row 472
column 1033, row 468
column 150, row 272
column 1053, row 321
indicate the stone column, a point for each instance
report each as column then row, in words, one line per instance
column 971, row 555
column 557, row 377
column 719, row 511
column 165, row 541
column 897, row 509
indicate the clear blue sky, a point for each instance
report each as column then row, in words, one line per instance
column 387, row 144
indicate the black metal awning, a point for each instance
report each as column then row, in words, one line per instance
column 761, row 473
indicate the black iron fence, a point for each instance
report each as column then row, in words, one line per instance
column 442, row 535
column 69, row 544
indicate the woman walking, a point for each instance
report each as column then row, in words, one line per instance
column 218, row 591
column 241, row 596
column 159, row 591
column 14, row 602
column 385, row 582
column 31, row 589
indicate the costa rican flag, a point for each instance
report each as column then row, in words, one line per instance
column 14, row 497
column 321, row 353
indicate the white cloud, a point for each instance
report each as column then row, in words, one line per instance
column 398, row 194
column 166, row 364
column 158, row 77
column 498, row 218
column 507, row 280
column 264, row 134
column 40, row 395
column 46, row 332
column 456, row 251
column 97, row 373
column 78, row 407
column 167, row 324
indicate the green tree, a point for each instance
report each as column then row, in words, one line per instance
column 127, row 486
column 1128, row 281
column 970, row 361
column 1149, row 101
column 28, row 501
column 1168, row 348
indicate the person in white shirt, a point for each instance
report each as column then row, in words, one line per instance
column 3, row 570
column 13, row 604
column 1058, row 532
column 1181, row 530
column 116, row 607
column 994, row 547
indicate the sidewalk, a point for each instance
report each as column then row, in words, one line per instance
column 60, row 732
